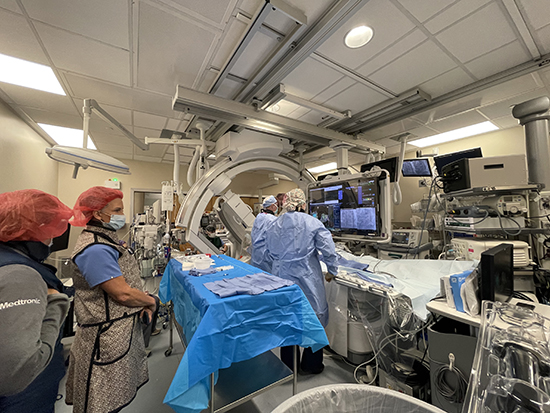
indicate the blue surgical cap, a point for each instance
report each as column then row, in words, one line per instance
column 270, row 200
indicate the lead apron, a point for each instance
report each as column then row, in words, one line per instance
column 108, row 363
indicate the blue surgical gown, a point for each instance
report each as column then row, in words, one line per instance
column 260, row 257
column 294, row 241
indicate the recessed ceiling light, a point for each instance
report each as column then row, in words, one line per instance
column 358, row 36
column 275, row 108
column 323, row 168
column 453, row 135
column 28, row 74
column 66, row 136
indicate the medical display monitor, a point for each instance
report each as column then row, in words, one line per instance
column 347, row 207
column 442, row 160
column 389, row 165
column 416, row 167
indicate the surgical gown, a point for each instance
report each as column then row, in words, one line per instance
column 260, row 257
column 294, row 242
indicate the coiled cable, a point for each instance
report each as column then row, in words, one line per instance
column 452, row 394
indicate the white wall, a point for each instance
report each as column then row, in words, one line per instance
column 23, row 162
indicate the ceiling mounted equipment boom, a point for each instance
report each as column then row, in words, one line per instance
column 213, row 107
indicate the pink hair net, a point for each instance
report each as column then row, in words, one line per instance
column 93, row 199
column 32, row 215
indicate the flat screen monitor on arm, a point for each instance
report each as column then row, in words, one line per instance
column 347, row 207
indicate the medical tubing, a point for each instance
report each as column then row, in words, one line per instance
column 192, row 165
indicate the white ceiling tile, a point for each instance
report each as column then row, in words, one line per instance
column 543, row 36
column 257, row 51
column 208, row 79
column 387, row 22
column 422, row 132
column 505, row 90
column 121, row 96
column 533, row 10
column 78, row 54
column 312, row 9
column 99, row 125
column 356, row 98
column 393, row 129
column 285, row 108
column 301, row 82
column 298, row 112
column 103, row 20
column 173, row 124
column 122, row 115
column 228, row 89
column 506, row 122
column 423, row 10
column 391, row 53
column 147, row 159
column 233, row 34
column 333, row 90
column 183, row 158
column 454, row 13
column 40, row 100
column 478, row 34
column 120, row 155
column 147, row 120
column 546, row 75
column 446, row 82
column 115, row 140
column 141, row 133
column 111, row 147
column 458, row 121
column 211, row 9
column 54, row 118
column 498, row 60
column 313, row 117
column 10, row 5
column 171, row 51
column 504, row 107
column 18, row 40
column 413, row 64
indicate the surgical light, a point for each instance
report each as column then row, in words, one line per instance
column 358, row 36
column 28, row 74
column 323, row 168
column 453, row 135
column 66, row 136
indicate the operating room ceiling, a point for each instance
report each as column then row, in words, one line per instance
column 129, row 55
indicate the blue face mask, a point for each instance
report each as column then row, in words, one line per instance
column 117, row 222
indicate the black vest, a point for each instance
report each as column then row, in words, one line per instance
column 13, row 256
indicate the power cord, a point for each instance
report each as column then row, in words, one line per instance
column 444, row 388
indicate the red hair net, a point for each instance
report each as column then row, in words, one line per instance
column 32, row 215
column 94, row 199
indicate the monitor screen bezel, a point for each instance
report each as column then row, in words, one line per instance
column 392, row 169
column 353, row 232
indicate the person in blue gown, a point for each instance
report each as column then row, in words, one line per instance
column 262, row 223
column 295, row 242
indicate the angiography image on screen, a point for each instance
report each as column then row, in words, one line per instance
column 347, row 207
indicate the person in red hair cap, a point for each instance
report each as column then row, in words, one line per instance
column 108, row 359
column 32, row 306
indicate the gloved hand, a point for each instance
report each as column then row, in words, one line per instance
column 329, row 277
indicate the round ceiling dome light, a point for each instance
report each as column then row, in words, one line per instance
column 358, row 36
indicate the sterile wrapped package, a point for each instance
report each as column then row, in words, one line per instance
column 511, row 369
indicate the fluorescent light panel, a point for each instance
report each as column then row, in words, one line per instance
column 323, row 168
column 66, row 136
column 453, row 135
column 28, row 74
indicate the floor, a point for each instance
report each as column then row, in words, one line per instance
column 162, row 369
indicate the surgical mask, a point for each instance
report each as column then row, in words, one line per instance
column 117, row 222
